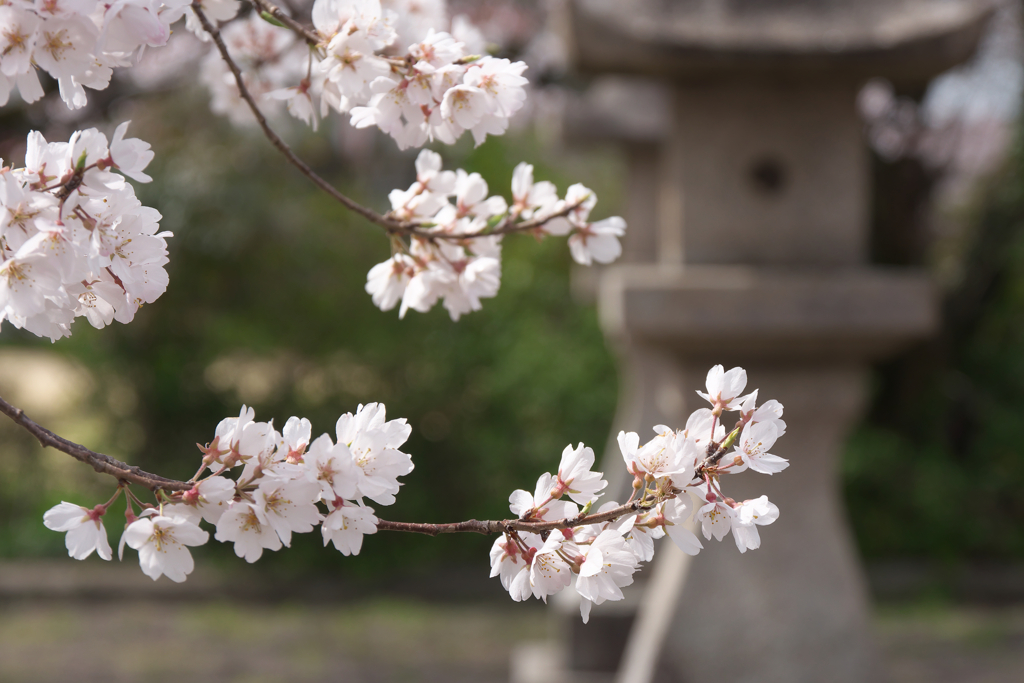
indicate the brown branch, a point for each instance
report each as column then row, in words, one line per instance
column 388, row 224
column 508, row 226
column 498, row 527
column 307, row 34
column 99, row 462
column 471, row 526
column 121, row 471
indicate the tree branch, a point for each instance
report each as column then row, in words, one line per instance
column 390, row 225
column 100, row 462
column 307, row 34
column 498, row 527
column 121, row 471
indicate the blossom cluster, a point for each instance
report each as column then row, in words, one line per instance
column 288, row 483
column 676, row 482
column 74, row 238
column 455, row 256
column 283, row 480
column 382, row 63
column 77, row 42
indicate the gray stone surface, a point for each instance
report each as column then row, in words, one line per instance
column 747, row 245
column 710, row 40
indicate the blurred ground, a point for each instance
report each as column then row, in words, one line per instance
column 952, row 643
column 182, row 634
column 221, row 641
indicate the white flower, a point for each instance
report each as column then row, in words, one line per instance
column 755, row 440
column 666, row 455
column 27, row 278
column 598, row 241
column 474, row 279
column 640, row 538
column 751, row 514
column 130, row 156
column 529, row 197
column 674, row 514
column 698, row 427
column 386, row 282
column 549, row 573
column 295, row 439
column 716, row 519
column 247, row 526
column 299, row 102
column 464, row 106
column 85, row 532
column 543, row 504
column 575, row 477
column 426, row 287
column 346, row 525
column 258, row 448
column 430, row 176
column 210, row 497
column 333, row 468
column 512, row 564
column 374, row 445
column 162, row 544
column 501, row 83
column 724, row 388
column 609, row 565
column 290, row 506
column 94, row 252
column 770, row 411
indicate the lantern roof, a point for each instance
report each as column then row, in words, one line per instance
column 907, row 41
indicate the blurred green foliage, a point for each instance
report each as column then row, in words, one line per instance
column 937, row 469
column 266, row 306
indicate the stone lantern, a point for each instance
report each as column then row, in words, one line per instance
column 749, row 247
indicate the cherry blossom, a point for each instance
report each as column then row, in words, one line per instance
column 289, row 506
column 544, row 503
column 598, row 241
column 333, row 468
column 246, row 525
column 437, row 267
column 346, row 524
column 751, row 514
column 74, row 239
column 549, row 572
column 512, row 563
column 210, row 497
column 716, row 518
column 574, row 476
column 666, row 455
column 674, row 514
column 755, row 441
column 724, row 388
column 84, row 527
column 609, row 565
column 374, row 446
column 163, row 543
column 290, row 484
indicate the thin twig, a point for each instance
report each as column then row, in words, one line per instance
column 275, row 139
column 100, row 462
column 390, row 225
column 498, row 527
column 307, row 34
